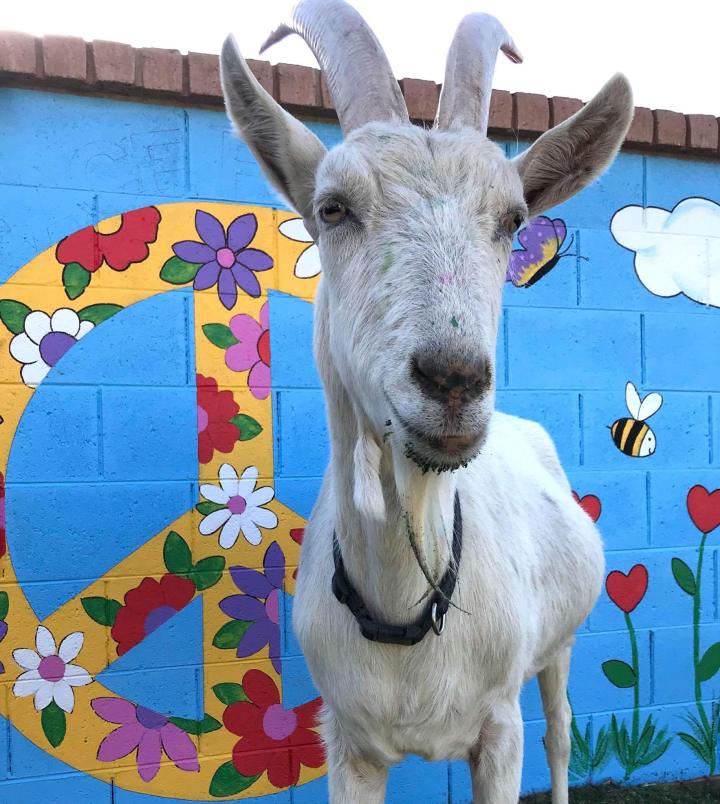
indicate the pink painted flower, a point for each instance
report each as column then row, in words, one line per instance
column 252, row 351
column 146, row 732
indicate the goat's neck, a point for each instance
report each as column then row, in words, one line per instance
column 378, row 554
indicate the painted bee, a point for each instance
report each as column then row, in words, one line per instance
column 632, row 436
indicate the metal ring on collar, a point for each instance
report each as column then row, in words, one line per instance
column 438, row 623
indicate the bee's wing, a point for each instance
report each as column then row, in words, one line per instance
column 632, row 400
column 649, row 406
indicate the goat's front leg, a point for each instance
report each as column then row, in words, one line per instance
column 496, row 759
column 351, row 779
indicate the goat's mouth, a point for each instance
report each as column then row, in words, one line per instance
column 437, row 453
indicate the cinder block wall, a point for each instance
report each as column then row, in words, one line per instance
column 108, row 454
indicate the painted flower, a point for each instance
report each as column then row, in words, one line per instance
column 49, row 673
column 4, row 607
column 45, row 340
column 272, row 738
column 147, row 607
column 308, row 263
column 297, row 535
column 126, row 244
column 215, row 409
column 704, row 508
column 252, row 351
column 259, row 605
column 590, row 504
column 147, row 733
column 626, row 591
column 239, row 507
column 226, row 260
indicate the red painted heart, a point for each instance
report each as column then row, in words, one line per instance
column 590, row 504
column 626, row 591
column 704, row 508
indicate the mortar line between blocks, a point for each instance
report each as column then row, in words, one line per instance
column 190, row 353
column 642, row 349
column 644, row 184
column 100, row 435
column 651, row 641
column 506, row 340
column 648, row 508
column 581, row 420
column 716, row 586
column 711, row 435
column 578, row 259
column 186, row 127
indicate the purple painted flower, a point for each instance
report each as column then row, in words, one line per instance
column 259, row 605
column 146, row 732
column 226, row 260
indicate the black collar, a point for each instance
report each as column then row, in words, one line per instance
column 435, row 610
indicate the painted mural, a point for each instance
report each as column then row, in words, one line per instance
column 162, row 442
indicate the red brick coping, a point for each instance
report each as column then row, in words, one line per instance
column 111, row 68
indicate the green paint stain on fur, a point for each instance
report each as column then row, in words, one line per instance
column 454, row 322
column 387, row 261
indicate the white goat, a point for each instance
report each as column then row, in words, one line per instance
column 414, row 228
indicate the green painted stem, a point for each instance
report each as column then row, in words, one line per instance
column 636, row 688
column 696, row 641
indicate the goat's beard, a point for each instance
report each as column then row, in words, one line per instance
column 426, row 513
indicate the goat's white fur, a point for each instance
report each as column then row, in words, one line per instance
column 421, row 265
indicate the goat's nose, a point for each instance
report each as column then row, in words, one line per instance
column 451, row 380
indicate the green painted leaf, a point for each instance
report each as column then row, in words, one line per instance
column 229, row 693
column 710, row 663
column 603, row 750
column 206, row 508
column 695, row 746
column 248, row 427
column 197, row 727
column 4, row 605
column 53, row 724
column 13, row 314
column 619, row 673
column 228, row 782
column 177, row 555
column 219, row 335
column 207, row 572
column 75, row 279
column 230, row 634
column 101, row 609
column 178, row 272
column 684, row 577
column 97, row 313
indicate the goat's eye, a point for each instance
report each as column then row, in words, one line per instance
column 333, row 212
column 511, row 222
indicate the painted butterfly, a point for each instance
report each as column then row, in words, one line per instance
column 540, row 243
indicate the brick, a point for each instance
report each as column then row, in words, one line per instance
column 114, row 62
column 421, row 98
column 161, row 70
column 17, row 53
column 204, row 75
column 65, row 57
column 297, row 85
column 500, row 110
column 531, row 113
column 263, row 71
column 670, row 130
column 642, row 128
column 702, row 132
column 562, row 108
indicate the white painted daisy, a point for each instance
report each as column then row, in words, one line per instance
column 49, row 674
column 308, row 263
column 241, row 510
column 45, row 340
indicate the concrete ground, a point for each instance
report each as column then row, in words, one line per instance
column 699, row 792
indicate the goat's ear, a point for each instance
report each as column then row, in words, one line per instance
column 574, row 153
column 287, row 151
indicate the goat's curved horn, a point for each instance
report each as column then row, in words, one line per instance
column 466, row 92
column 356, row 68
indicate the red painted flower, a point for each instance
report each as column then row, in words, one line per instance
column 3, row 539
column 147, row 607
column 297, row 535
column 215, row 409
column 704, row 508
column 626, row 591
column 272, row 738
column 590, row 504
column 119, row 249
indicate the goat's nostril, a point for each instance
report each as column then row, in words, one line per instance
column 450, row 379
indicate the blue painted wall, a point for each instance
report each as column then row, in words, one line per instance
column 567, row 348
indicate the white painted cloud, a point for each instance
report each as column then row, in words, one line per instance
column 676, row 251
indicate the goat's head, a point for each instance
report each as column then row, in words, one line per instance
column 414, row 225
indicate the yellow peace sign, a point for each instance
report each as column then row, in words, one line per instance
column 236, row 549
